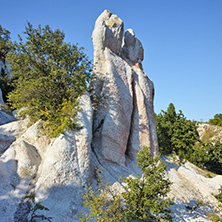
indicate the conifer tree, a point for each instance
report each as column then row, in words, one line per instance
column 146, row 196
column 175, row 132
column 50, row 76
column 217, row 120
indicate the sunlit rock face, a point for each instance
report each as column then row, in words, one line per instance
column 117, row 119
column 56, row 170
column 122, row 92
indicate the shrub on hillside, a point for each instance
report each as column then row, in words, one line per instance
column 145, row 198
column 217, row 120
column 49, row 75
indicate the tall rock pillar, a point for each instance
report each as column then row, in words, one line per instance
column 122, row 94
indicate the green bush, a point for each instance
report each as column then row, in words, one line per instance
column 144, row 199
column 217, row 120
column 104, row 205
column 175, row 132
column 49, row 76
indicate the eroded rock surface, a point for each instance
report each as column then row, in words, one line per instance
column 56, row 170
column 116, row 121
column 123, row 94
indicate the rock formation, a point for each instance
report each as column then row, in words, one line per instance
column 122, row 92
column 116, row 119
column 56, row 170
column 121, row 121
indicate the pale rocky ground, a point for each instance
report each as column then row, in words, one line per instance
column 117, row 120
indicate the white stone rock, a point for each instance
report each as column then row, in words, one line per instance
column 190, row 185
column 123, row 116
column 58, row 169
column 108, row 32
column 10, row 131
column 132, row 48
column 209, row 132
column 5, row 118
column 65, row 169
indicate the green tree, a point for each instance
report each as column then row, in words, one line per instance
column 4, row 37
column 104, row 205
column 49, row 75
column 145, row 197
column 184, row 137
column 208, row 156
column 175, row 132
column 217, row 120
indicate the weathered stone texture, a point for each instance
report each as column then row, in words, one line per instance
column 124, row 116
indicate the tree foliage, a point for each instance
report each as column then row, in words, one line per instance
column 146, row 196
column 4, row 37
column 49, row 75
column 175, row 132
column 104, row 205
column 208, row 156
column 217, row 120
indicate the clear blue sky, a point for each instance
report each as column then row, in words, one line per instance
column 182, row 40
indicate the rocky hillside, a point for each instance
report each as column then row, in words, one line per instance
column 117, row 119
column 209, row 132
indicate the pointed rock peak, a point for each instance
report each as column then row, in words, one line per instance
column 132, row 48
column 108, row 32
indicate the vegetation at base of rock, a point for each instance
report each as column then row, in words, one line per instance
column 178, row 135
column 104, row 205
column 36, row 206
column 144, row 199
column 215, row 216
column 217, row 120
column 219, row 195
column 208, row 156
column 49, row 76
